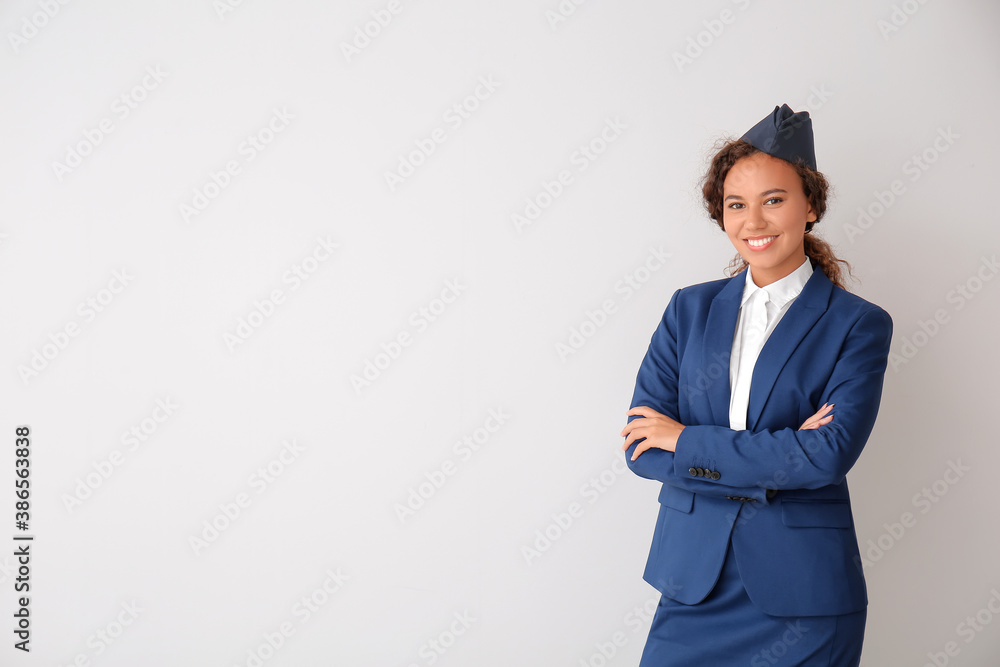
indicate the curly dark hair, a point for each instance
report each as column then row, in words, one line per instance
column 814, row 185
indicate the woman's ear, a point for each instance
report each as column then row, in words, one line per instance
column 811, row 213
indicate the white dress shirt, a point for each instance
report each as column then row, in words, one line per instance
column 751, row 334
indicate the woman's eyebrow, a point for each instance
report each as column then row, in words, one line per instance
column 762, row 194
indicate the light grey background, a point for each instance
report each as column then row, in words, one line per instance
column 885, row 82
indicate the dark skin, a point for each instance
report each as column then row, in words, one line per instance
column 765, row 217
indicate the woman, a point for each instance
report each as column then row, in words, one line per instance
column 754, row 399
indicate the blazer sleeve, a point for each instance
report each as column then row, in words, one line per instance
column 656, row 386
column 788, row 458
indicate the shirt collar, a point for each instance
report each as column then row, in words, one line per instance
column 780, row 291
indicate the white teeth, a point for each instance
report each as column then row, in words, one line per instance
column 759, row 243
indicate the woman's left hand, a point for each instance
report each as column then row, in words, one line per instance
column 659, row 431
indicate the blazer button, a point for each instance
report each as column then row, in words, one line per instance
column 701, row 472
column 716, row 474
column 693, row 472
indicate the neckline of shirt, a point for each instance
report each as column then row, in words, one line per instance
column 780, row 291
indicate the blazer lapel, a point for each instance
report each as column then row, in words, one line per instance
column 807, row 308
column 718, row 344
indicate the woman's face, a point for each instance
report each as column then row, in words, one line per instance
column 765, row 214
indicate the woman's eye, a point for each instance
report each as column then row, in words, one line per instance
column 774, row 199
column 735, row 204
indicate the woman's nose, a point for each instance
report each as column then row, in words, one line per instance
column 755, row 218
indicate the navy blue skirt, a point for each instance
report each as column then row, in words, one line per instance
column 728, row 629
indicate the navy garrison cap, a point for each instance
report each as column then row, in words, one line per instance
column 784, row 134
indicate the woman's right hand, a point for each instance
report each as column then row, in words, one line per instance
column 822, row 417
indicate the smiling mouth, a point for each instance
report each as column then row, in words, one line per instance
column 760, row 243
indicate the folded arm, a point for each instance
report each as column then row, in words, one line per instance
column 748, row 463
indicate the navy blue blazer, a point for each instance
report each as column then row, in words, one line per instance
column 778, row 493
